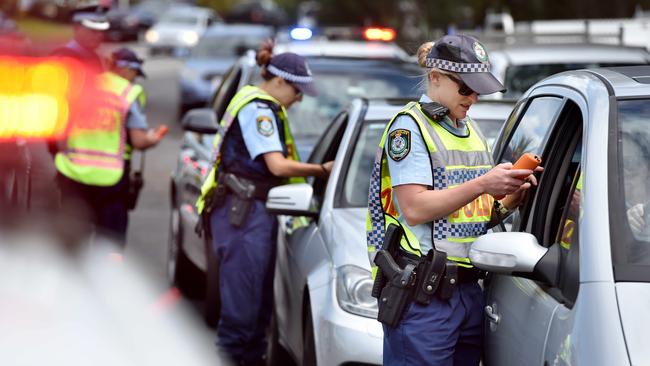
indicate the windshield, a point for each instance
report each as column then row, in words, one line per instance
column 357, row 178
column 227, row 46
column 180, row 19
column 310, row 117
column 634, row 171
column 521, row 77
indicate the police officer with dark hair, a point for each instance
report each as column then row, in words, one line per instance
column 254, row 153
column 431, row 195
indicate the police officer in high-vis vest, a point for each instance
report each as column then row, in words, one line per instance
column 434, row 181
column 90, row 163
column 254, row 153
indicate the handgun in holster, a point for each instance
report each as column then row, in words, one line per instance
column 242, row 202
column 397, row 293
column 392, row 239
column 430, row 273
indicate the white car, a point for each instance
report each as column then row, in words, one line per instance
column 179, row 29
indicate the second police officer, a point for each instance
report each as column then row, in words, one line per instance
column 254, row 153
column 434, row 179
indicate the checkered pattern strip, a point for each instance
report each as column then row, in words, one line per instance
column 375, row 237
column 289, row 77
column 459, row 176
column 439, row 178
column 466, row 230
column 439, row 229
column 457, row 66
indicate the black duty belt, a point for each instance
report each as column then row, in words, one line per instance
column 259, row 192
column 465, row 275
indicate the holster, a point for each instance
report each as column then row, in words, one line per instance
column 239, row 210
column 397, row 292
column 136, row 182
column 430, row 272
column 449, row 281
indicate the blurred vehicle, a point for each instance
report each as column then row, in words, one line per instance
column 146, row 13
column 490, row 116
column 60, row 10
column 338, row 79
column 217, row 50
column 179, row 29
column 569, row 281
column 256, row 12
column 518, row 68
column 323, row 313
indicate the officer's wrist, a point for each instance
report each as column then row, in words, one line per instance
column 323, row 169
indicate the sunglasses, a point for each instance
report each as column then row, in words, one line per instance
column 296, row 90
column 463, row 89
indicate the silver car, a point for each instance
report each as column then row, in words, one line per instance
column 569, row 283
column 324, row 314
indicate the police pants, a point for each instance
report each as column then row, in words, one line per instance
column 105, row 207
column 443, row 333
column 247, row 264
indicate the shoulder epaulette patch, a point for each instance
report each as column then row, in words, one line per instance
column 262, row 105
column 399, row 144
column 265, row 126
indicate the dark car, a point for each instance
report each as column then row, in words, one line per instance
column 338, row 79
column 216, row 51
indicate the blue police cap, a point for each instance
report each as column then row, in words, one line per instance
column 294, row 69
column 124, row 57
column 467, row 57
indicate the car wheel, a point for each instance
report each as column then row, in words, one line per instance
column 276, row 355
column 181, row 272
column 212, row 310
column 308, row 343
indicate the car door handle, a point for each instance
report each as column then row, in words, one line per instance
column 491, row 314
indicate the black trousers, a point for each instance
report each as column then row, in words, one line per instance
column 87, row 207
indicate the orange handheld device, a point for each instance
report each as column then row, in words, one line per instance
column 526, row 161
column 162, row 131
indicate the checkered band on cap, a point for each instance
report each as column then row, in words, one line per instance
column 457, row 66
column 289, row 77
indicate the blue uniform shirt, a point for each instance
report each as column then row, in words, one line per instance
column 415, row 166
column 135, row 118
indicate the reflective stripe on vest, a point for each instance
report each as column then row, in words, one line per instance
column 453, row 161
column 244, row 96
column 94, row 149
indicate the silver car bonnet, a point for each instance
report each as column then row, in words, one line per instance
column 634, row 305
column 348, row 240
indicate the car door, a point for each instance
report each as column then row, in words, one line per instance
column 298, row 240
column 519, row 310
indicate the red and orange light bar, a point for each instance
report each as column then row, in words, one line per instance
column 379, row 34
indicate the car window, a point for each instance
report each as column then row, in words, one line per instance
column 326, row 149
column 231, row 45
column 633, row 170
column 520, row 78
column 357, row 177
column 529, row 135
column 568, row 236
column 226, row 91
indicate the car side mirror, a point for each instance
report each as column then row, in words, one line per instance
column 201, row 120
column 291, row 200
column 516, row 254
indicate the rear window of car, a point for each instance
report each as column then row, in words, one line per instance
column 227, row 45
column 633, row 170
column 521, row 77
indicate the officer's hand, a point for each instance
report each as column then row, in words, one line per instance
column 160, row 132
column 328, row 166
column 635, row 218
column 503, row 180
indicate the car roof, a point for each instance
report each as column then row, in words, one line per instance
column 220, row 29
column 382, row 108
column 567, row 53
column 348, row 49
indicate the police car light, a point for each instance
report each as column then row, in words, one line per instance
column 379, row 34
column 301, row 34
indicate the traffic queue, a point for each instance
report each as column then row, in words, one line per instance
column 336, row 202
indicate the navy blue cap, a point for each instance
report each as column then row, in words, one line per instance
column 467, row 57
column 124, row 57
column 294, row 69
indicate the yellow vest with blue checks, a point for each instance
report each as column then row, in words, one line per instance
column 454, row 161
column 244, row 96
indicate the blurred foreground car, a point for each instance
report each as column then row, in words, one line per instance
column 216, row 52
column 518, row 68
column 338, row 79
column 570, row 281
column 179, row 29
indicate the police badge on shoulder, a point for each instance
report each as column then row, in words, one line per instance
column 399, row 144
